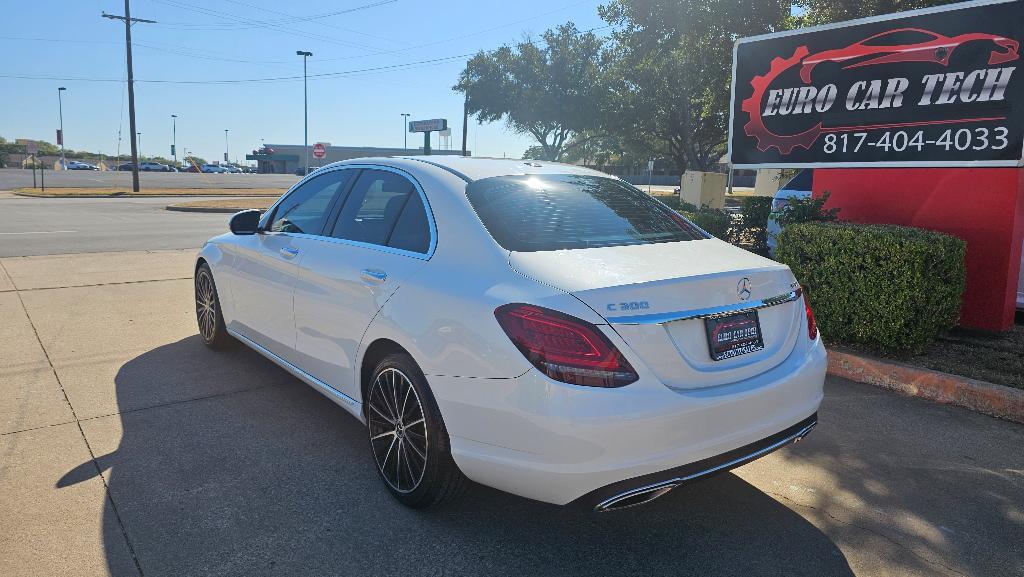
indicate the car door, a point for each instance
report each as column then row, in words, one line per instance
column 382, row 234
column 264, row 265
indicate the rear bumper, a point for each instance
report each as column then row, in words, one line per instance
column 639, row 490
column 558, row 443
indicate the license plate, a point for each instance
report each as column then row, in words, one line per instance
column 733, row 335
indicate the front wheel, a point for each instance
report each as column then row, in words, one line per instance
column 407, row 436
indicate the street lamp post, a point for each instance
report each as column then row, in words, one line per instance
column 174, row 138
column 60, row 111
column 225, row 145
column 405, row 130
column 305, row 109
column 138, row 135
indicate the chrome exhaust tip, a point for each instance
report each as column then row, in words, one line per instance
column 634, row 497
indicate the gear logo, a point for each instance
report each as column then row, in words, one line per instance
column 755, row 127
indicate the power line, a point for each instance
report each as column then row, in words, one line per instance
column 248, row 80
column 263, row 24
column 289, row 19
column 398, row 66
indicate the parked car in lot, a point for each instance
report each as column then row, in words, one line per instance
column 304, row 171
column 76, row 165
column 127, row 166
column 231, row 168
column 544, row 329
column 213, row 168
column 154, row 167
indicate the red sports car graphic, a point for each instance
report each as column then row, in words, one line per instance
column 932, row 47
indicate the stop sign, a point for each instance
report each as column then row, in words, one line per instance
column 319, row 150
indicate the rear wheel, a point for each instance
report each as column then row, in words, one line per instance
column 407, row 436
column 208, row 314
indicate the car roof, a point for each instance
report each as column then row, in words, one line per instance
column 476, row 168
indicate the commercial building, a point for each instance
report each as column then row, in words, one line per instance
column 287, row 158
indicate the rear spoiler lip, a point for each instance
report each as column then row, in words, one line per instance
column 709, row 312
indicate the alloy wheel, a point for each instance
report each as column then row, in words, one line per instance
column 398, row 431
column 206, row 303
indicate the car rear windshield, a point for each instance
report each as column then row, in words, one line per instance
column 531, row 213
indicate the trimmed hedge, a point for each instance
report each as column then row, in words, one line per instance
column 884, row 288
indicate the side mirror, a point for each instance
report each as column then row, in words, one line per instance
column 245, row 222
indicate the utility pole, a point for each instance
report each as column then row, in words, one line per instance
column 465, row 125
column 305, row 109
column 405, row 130
column 128, row 21
column 60, row 111
column 174, row 138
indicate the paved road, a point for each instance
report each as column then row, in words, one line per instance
column 128, row 448
column 12, row 178
column 34, row 226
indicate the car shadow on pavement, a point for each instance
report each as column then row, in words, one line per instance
column 273, row 478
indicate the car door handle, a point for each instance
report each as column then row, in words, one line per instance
column 289, row 252
column 373, row 275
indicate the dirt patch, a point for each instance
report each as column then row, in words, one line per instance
column 993, row 357
column 116, row 192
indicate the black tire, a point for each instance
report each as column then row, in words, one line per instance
column 399, row 430
column 208, row 314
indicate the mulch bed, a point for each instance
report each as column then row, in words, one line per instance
column 993, row 357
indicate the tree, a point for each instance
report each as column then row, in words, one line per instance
column 825, row 11
column 672, row 71
column 553, row 93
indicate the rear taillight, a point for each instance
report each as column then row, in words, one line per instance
column 812, row 325
column 564, row 347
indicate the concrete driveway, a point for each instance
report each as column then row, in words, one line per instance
column 126, row 447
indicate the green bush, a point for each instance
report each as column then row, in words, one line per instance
column 807, row 210
column 716, row 222
column 885, row 288
column 753, row 233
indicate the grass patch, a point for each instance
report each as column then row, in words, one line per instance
column 229, row 204
column 116, row 192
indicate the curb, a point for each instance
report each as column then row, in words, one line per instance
column 979, row 396
column 213, row 209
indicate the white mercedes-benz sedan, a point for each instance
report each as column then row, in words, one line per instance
column 544, row 329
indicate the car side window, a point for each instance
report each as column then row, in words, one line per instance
column 380, row 205
column 305, row 210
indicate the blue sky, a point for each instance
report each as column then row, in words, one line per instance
column 217, row 40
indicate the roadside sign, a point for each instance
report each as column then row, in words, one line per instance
column 924, row 88
column 60, row 137
column 172, row 150
column 319, row 150
column 433, row 125
column 32, row 148
column 650, row 166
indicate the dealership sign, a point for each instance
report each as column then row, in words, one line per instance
column 433, row 125
column 934, row 87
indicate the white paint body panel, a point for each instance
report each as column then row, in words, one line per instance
column 512, row 427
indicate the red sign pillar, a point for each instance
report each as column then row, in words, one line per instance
column 983, row 206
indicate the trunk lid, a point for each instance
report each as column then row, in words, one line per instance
column 656, row 295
